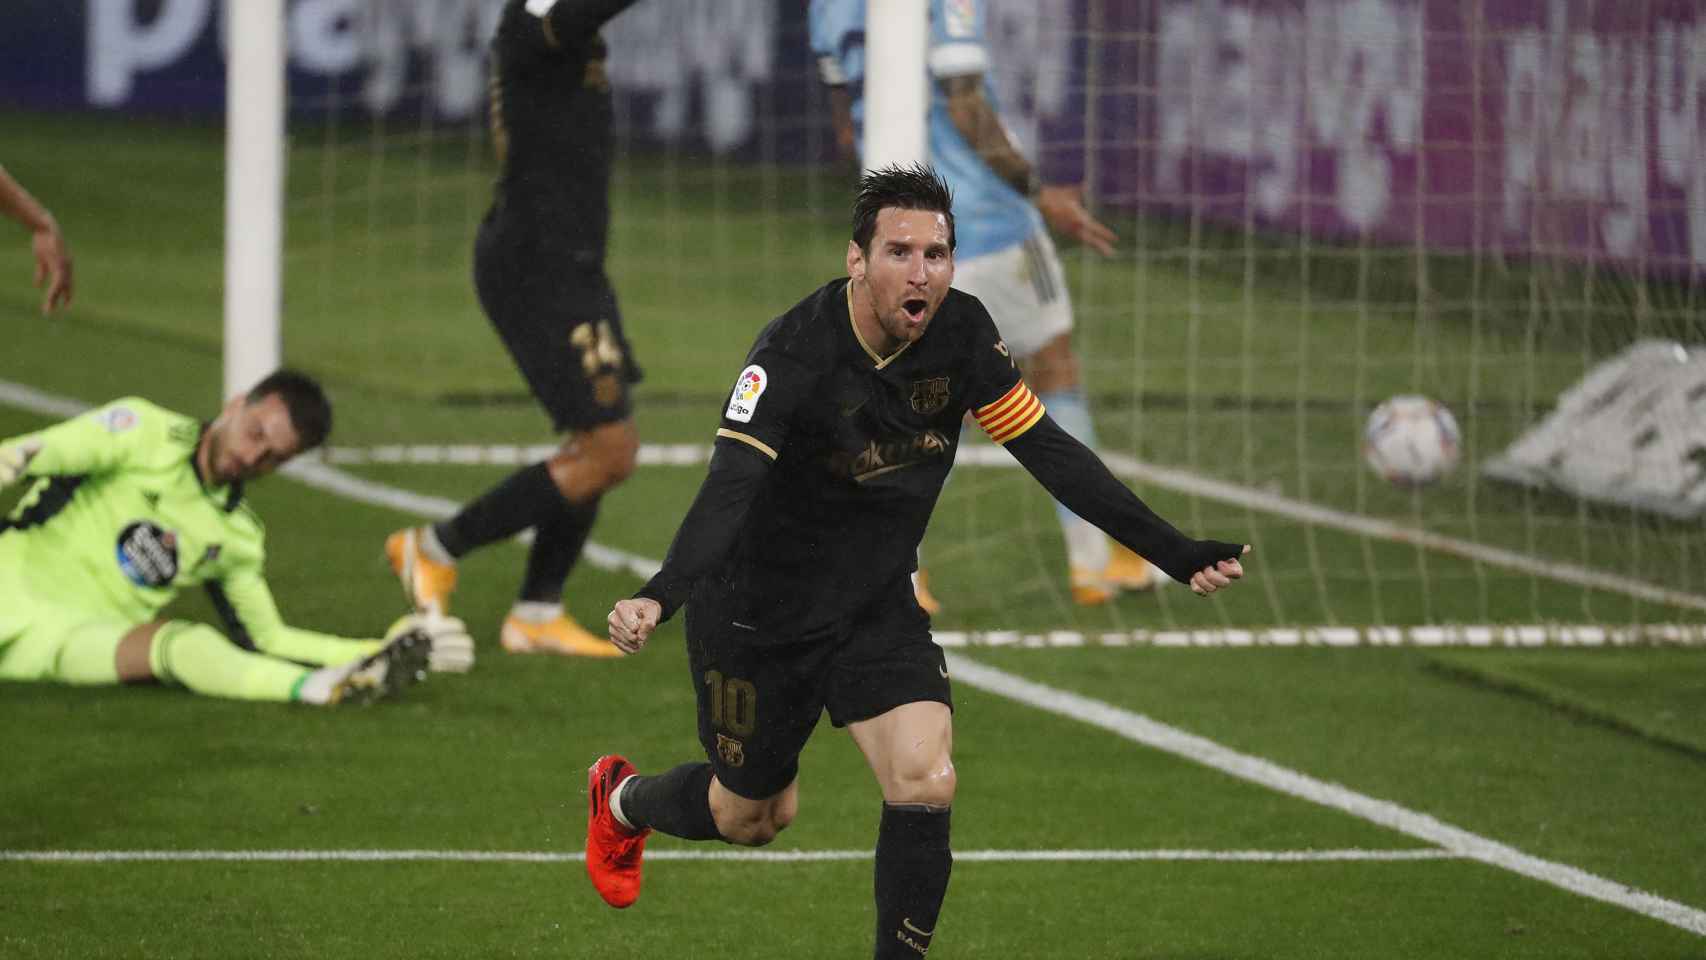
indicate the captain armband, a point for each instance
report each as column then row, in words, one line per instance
column 1009, row 417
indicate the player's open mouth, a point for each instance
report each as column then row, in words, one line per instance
column 915, row 308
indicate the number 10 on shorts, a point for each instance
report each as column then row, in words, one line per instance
column 734, row 703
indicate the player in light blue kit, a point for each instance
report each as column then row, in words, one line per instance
column 1005, row 257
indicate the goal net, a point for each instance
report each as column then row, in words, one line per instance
column 1321, row 204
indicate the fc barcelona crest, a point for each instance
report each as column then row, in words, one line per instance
column 929, row 396
column 731, row 750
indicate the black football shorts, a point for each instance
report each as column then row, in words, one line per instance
column 561, row 325
column 761, row 696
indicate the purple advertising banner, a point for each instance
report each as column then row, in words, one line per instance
column 706, row 73
column 1568, row 128
column 1571, row 128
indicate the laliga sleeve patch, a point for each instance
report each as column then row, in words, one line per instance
column 118, row 419
column 960, row 18
column 747, row 390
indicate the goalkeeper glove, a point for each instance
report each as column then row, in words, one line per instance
column 451, row 648
column 13, row 460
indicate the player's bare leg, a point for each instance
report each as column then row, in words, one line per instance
column 910, row 751
column 586, row 465
column 753, row 823
column 131, row 657
column 1098, row 567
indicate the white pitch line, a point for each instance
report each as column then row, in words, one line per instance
column 1152, row 733
column 1469, row 636
column 1122, row 465
column 752, row 856
column 47, row 404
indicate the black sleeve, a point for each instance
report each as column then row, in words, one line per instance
column 1076, row 477
column 558, row 24
column 732, row 481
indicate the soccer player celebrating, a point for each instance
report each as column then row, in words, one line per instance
column 132, row 503
column 1005, row 258
column 795, row 559
column 539, row 271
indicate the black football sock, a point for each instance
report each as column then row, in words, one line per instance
column 913, row 863
column 516, row 503
column 677, row 803
column 557, row 542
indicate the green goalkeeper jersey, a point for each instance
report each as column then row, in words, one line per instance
column 118, row 520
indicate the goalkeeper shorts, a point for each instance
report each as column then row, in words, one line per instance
column 45, row 643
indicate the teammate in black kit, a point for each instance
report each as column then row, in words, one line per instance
column 795, row 559
column 539, row 271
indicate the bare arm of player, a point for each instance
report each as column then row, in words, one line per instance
column 53, row 257
column 976, row 120
column 841, row 111
column 1062, row 207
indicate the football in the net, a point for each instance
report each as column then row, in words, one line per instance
column 1411, row 441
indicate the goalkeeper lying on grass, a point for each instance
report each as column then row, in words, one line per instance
column 130, row 504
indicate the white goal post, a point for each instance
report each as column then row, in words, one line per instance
column 254, row 191
column 897, row 96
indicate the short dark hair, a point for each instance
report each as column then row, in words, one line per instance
column 310, row 411
column 914, row 186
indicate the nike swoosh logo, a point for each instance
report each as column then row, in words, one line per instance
column 942, row 670
column 907, row 923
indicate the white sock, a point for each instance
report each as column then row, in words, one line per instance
column 1086, row 546
column 616, row 803
column 317, row 687
column 532, row 611
column 434, row 550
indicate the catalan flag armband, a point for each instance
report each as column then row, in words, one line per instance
column 1009, row 417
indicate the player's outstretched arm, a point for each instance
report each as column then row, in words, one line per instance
column 246, row 602
column 1075, row 476
column 564, row 24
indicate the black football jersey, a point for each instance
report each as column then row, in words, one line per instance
column 550, row 118
column 829, row 460
column 861, row 446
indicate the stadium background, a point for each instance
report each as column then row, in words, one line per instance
column 1233, row 348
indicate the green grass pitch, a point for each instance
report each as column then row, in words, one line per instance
column 1592, row 759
